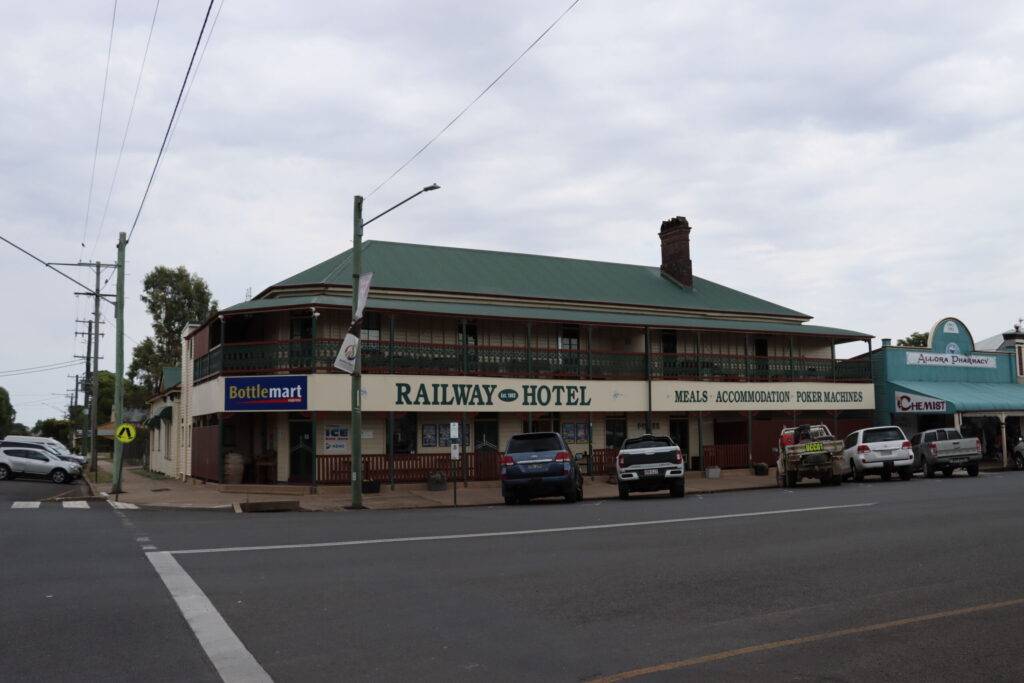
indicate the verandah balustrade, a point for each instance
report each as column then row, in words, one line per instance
column 419, row 358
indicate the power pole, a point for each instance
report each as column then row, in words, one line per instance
column 87, row 393
column 97, row 297
column 122, row 242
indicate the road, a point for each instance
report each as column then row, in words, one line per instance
column 878, row 581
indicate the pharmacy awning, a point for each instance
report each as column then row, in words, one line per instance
column 958, row 397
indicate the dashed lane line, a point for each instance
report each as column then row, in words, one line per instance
column 521, row 532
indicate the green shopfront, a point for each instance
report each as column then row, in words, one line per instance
column 949, row 383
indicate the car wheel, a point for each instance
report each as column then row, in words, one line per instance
column 5, row 473
column 972, row 469
column 677, row 490
column 858, row 475
column 929, row 470
column 906, row 473
column 791, row 479
column 886, row 475
column 623, row 492
column 510, row 500
column 837, row 480
column 947, row 471
column 1018, row 461
column 58, row 476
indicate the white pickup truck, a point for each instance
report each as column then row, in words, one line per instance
column 650, row 463
column 944, row 450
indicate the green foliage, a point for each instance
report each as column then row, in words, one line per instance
column 174, row 297
column 55, row 429
column 7, row 412
column 18, row 429
column 917, row 339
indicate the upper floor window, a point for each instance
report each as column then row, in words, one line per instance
column 569, row 339
column 371, row 327
column 301, row 325
column 668, row 341
column 469, row 336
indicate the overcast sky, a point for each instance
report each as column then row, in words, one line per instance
column 859, row 162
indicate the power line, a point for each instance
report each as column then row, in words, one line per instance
column 99, row 129
column 177, row 103
column 38, row 367
column 475, row 99
column 127, row 127
column 49, row 369
column 33, row 256
column 199, row 64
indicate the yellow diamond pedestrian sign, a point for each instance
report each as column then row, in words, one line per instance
column 125, row 432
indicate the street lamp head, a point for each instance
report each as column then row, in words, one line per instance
column 429, row 188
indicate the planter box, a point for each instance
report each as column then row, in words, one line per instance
column 713, row 472
column 371, row 487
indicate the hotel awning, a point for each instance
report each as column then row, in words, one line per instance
column 970, row 397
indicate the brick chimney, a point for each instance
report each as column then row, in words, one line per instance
column 675, row 250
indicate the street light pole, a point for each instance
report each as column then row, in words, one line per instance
column 356, row 422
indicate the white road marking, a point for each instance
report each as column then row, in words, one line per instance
column 229, row 656
column 25, row 505
column 122, row 506
column 149, row 547
column 522, row 532
column 75, row 504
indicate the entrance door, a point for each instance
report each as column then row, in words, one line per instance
column 486, row 463
column 300, row 450
column 679, row 431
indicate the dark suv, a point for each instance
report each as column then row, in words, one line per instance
column 539, row 464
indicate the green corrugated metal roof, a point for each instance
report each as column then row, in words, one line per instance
column 474, row 271
column 473, row 310
column 171, row 377
column 970, row 397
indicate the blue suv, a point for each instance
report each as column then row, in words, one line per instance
column 539, row 464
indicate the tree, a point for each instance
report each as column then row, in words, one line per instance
column 918, row 339
column 18, row 429
column 7, row 412
column 55, row 429
column 174, row 297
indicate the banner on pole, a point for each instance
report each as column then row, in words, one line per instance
column 349, row 351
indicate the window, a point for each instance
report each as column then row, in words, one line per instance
column 614, row 431
column 851, row 441
column 929, row 437
column 916, row 440
column 470, row 337
column 649, row 442
column 533, row 443
column 569, row 339
column 371, row 327
column 403, row 434
column 668, row 341
column 883, row 434
column 301, row 325
column 761, row 347
column 952, row 434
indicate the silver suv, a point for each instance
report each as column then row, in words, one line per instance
column 19, row 461
column 944, row 450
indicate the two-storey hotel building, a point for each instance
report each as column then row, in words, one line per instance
column 502, row 343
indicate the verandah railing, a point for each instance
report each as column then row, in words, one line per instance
column 418, row 358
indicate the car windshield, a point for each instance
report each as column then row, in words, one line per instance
column 534, row 443
column 647, row 442
column 883, row 434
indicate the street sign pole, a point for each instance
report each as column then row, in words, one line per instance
column 455, row 459
column 119, row 368
column 356, row 426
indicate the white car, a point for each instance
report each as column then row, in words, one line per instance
column 54, row 445
column 36, row 462
column 879, row 450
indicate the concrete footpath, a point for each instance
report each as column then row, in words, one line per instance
column 146, row 491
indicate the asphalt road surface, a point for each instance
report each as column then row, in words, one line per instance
column 919, row 580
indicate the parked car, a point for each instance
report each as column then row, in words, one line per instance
column 879, row 450
column 650, row 463
column 944, row 450
column 39, row 446
column 809, row 452
column 20, row 460
column 1017, row 457
column 54, row 444
column 539, row 464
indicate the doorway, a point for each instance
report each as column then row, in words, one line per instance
column 679, row 431
column 300, row 451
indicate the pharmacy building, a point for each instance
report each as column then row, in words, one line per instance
column 503, row 343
